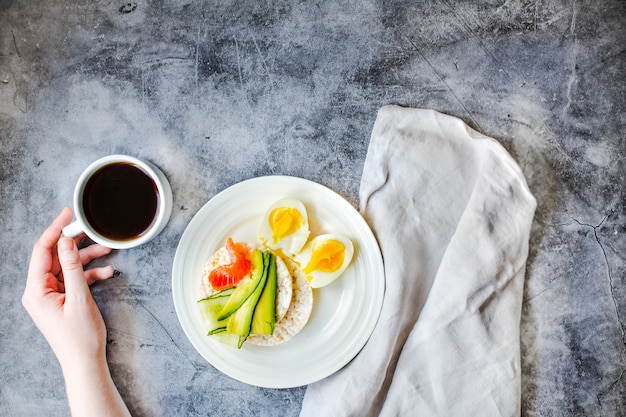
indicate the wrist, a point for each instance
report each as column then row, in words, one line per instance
column 85, row 372
column 82, row 362
column 91, row 391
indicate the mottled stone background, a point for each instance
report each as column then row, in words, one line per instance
column 216, row 92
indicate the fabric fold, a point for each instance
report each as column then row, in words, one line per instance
column 452, row 214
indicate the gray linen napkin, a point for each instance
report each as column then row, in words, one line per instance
column 452, row 214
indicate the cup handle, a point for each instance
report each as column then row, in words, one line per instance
column 73, row 229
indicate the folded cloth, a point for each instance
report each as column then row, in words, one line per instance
column 452, row 214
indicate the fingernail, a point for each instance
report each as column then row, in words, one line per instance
column 66, row 244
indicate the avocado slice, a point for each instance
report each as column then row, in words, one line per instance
column 245, row 288
column 264, row 316
column 240, row 321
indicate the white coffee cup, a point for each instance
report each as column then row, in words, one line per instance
column 104, row 216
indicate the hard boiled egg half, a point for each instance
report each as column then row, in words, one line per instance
column 325, row 258
column 285, row 226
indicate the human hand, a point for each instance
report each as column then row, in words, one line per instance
column 58, row 299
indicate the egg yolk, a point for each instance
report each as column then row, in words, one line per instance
column 327, row 256
column 284, row 221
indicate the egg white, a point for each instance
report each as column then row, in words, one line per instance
column 318, row 279
column 293, row 243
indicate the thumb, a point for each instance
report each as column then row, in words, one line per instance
column 73, row 273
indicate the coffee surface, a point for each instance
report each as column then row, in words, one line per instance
column 120, row 201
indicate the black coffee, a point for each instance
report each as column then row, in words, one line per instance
column 120, row 201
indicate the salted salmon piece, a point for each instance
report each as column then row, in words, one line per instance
column 230, row 274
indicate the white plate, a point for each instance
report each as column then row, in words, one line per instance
column 344, row 312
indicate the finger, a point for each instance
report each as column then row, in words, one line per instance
column 99, row 274
column 42, row 259
column 79, row 238
column 91, row 252
column 51, row 235
column 73, row 274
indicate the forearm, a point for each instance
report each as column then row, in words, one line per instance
column 91, row 391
